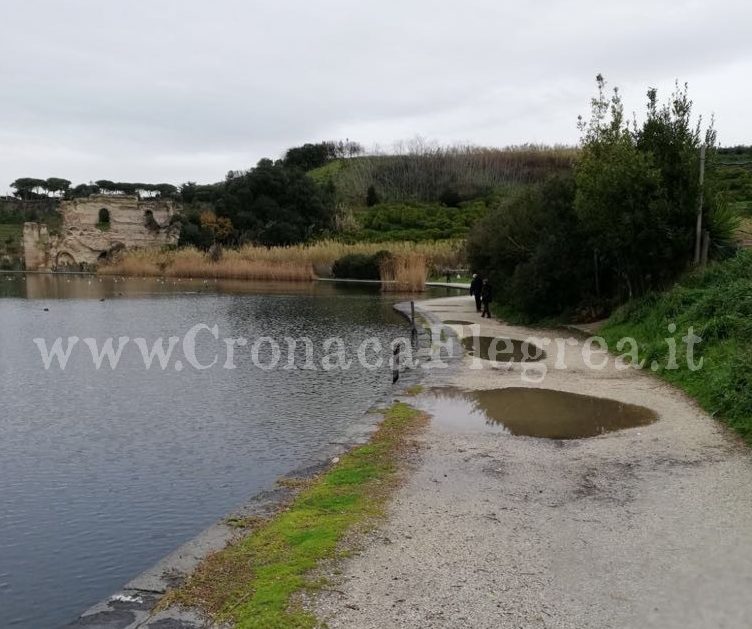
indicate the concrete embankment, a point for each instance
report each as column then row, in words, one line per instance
column 136, row 605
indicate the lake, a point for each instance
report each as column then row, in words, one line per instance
column 104, row 471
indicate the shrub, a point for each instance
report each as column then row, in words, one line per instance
column 360, row 266
column 450, row 197
column 372, row 197
column 417, row 221
column 638, row 189
column 623, row 227
column 530, row 248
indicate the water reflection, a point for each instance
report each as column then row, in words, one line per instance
column 502, row 349
column 532, row 412
column 103, row 472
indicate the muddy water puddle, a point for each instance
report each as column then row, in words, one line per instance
column 531, row 412
column 502, row 349
column 457, row 322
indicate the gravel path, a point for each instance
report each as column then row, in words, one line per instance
column 644, row 527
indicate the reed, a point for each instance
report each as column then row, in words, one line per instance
column 189, row 263
column 134, row 263
column 404, row 273
column 293, row 263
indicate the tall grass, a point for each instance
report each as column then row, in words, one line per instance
column 717, row 305
column 744, row 232
column 193, row 263
column 301, row 262
column 404, row 273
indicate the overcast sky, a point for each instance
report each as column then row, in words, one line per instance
column 177, row 90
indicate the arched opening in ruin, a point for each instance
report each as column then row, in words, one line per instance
column 150, row 222
column 102, row 257
column 103, row 219
column 64, row 259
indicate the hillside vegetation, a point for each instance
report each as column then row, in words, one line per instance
column 435, row 173
column 734, row 177
column 717, row 305
column 431, row 192
column 618, row 225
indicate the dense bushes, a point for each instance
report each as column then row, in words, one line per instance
column 271, row 204
column 531, row 246
column 360, row 266
column 624, row 225
column 416, row 221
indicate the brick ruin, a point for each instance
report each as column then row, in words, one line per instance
column 94, row 228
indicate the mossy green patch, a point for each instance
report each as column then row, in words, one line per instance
column 253, row 581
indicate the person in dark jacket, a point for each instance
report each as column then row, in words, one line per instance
column 486, row 297
column 475, row 287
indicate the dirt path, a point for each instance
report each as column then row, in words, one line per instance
column 644, row 527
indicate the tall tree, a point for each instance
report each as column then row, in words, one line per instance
column 26, row 187
column 57, row 184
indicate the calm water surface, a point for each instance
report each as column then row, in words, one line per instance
column 102, row 472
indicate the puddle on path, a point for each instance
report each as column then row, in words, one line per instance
column 532, row 412
column 502, row 349
column 457, row 322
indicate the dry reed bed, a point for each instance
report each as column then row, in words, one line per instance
column 190, row 263
column 407, row 271
column 404, row 273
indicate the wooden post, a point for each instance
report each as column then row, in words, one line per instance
column 413, row 329
column 597, row 277
column 698, row 227
column 705, row 247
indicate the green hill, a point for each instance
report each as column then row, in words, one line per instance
column 431, row 193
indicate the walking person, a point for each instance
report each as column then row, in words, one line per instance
column 475, row 287
column 486, row 297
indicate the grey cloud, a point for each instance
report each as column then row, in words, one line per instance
column 177, row 90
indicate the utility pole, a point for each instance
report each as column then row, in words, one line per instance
column 698, row 228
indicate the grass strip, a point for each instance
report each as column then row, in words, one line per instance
column 253, row 582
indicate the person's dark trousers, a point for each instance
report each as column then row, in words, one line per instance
column 477, row 301
column 486, row 311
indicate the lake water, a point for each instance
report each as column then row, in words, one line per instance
column 102, row 472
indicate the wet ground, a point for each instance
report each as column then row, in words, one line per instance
column 502, row 349
column 523, row 411
column 645, row 527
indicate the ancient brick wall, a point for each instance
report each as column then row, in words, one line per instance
column 95, row 225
